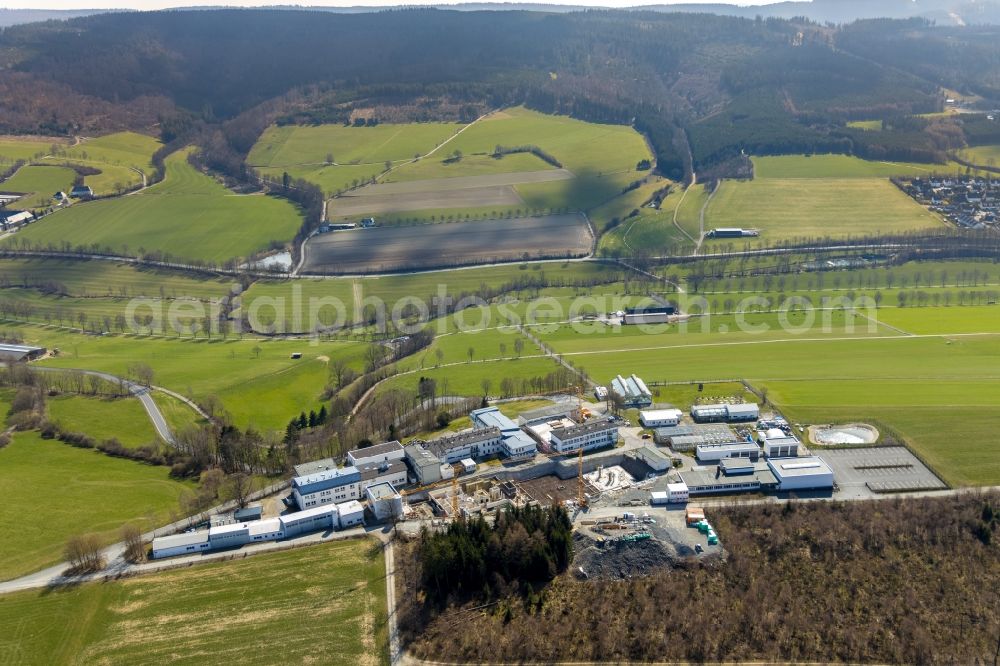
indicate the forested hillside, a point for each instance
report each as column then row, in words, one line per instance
column 700, row 86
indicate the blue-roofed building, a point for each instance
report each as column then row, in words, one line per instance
column 326, row 486
column 514, row 442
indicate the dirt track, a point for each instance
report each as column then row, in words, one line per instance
column 460, row 192
column 385, row 249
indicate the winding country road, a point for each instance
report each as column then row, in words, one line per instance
column 143, row 393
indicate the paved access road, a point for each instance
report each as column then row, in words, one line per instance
column 138, row 390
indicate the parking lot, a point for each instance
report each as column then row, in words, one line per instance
column 875, row 470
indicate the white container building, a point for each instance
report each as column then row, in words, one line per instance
column 660, row 418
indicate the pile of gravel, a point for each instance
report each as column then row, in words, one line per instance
column 618, row 560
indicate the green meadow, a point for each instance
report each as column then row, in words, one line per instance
column 123, row 419
column 13, row 149
column 188, row 216
column 982, row 155
column 359, row 153
column 53, row 491
column 842, row 166
column 800, row 208
column 38, row 184
column 323, row 604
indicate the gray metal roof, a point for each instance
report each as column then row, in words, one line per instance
column 326, row 479
column 305, row 469
column 440, row 447
column 419, row 455
column 377, row 450
column 492, row 416
column 585, row 428
column 799, row 467
column 371, row 471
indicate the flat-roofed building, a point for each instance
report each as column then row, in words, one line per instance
column 351, row 514
column 740, row 478
column 376, row 454
column 589, row 435
column 329, row 486
column 394, row 472
column 478, row 443
column 311, row 520
column 743, row 412
column 321, row 465
column 383, row 500
column 805, row 473
column 181, row 544
column 660, row 418
column 713, row 453
column 265, row 530
column 514, row 442
column 777, row 444
column 425, row 465
column 226, row 536
column 709, row 413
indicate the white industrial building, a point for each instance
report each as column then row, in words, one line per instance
column 376, row 454
column 713, row 453
column 593, row 434
column 383, row 500
column 743, row 413
column 779, row 445
column 739, row 413
column 709, row 413
column 234, row 535
column 351, row 514
column 514, row 442
column 676, row 493
column 656, row 459
column 394, row 472
column 425, row 465
column 330, row 486
column 805, row 473
column 479, row 443
column 660, row 418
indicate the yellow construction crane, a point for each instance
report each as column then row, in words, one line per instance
column 454, row 491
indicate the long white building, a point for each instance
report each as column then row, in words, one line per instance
column 514, row 442
column 233, row 535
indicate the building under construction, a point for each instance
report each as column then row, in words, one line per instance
column 487, row 495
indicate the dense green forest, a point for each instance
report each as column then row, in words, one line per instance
column 704, row 88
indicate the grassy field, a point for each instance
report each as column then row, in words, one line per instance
column 869, row 125
column 38, row 184
column 188, row 216
column 90, row 492
column 257, row 380
column 841, row 166
column 812, row 381
column 119, row 157
column 359, row 153
column 790, row 208
column 323, row 604
column 127, row 149
column 104, row 278
column 602, row 158
column 13, row 149
column 982, row 155
column 103, row 418
column 177, row 414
